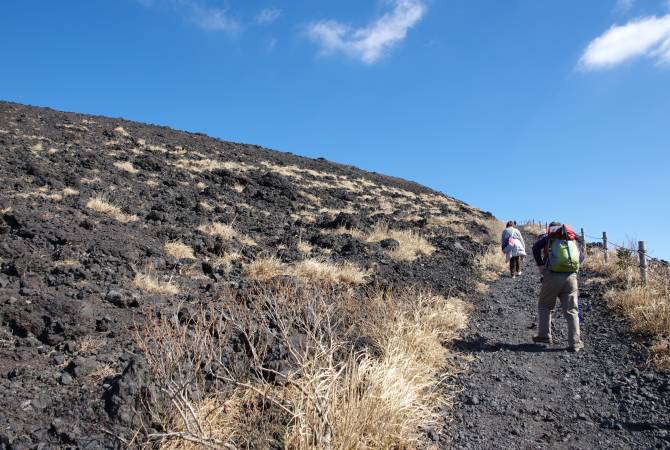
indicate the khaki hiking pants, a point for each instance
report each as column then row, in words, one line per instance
column 563, row 286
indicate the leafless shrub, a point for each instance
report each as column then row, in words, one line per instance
column 330, row 394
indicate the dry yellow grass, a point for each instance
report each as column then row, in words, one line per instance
column 179, row 250
column 222, row 230
column 46, row 194
column 304, row 247
column 69, row 192
column 264, row 268
column 492, row 263
column 93, row 180
column 150, row 283
column 412, row 244
column 121, row 131
column 126, row 166
column 226, row 260
column 534, row 229
column 204, row 165
column 102, row 206
column 90, row 344
column 332, row 397
column 316, row 270
column 102, row 373
column 647, row 307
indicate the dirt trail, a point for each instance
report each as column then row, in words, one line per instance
column 521, row 395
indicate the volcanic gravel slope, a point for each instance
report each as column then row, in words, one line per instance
column 69, row 372
column 518, row 394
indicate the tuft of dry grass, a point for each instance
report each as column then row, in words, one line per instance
column 121, row 131
column 226, row 260
column 304, row 247
column 412, row 244
column 534, row 229
column 265, row 268
column 179, row 250
column 222, row 230
column 103, row 372
column 492, row 263
column 150, row 283
column 316, row 270
column 126, row 166
column 102, row 206
column 90, row 344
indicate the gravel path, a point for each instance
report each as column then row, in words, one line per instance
column 521, row 395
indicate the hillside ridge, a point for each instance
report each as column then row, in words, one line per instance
column 106, row 223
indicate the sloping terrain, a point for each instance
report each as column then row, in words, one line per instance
column 104, row 221
column 518, row 394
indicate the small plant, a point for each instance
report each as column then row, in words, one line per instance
column 126, row 166
column 150, row 283
column 222, row 230
column 101, row 205
column 624, row 258
column 179, row 250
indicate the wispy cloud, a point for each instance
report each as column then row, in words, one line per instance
column 649, row 37
column 268, row 16
column 368, row 44
column 623, row 6
column 202, row 15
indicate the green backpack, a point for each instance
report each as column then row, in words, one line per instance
column 563, row 251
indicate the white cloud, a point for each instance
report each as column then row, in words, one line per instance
column 203, row 16
column 649, row 36
column 213, row 19
column 268, row 16
column 370, row 43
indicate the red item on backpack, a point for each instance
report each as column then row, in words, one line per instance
column 564, row 232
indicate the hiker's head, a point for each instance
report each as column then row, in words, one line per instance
column 510, row 224
column 555, row 223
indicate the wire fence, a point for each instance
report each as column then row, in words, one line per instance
column 605, row 243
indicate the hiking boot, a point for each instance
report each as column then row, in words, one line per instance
column 542, row 340
column 578, row 347
column 519, row 274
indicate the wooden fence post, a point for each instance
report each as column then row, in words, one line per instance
column 605, row 245
column 642, row 252
column 584, row 242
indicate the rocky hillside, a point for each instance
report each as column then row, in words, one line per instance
column 104, row 220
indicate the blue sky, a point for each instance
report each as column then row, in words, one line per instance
column 529, row 109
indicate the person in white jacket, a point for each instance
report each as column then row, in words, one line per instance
column 513, row 245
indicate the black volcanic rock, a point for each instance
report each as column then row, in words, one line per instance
column 69, row 292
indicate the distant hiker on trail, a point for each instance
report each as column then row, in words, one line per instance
column 558, row 258
column 514, row 247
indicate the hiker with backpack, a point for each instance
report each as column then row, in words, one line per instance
column 514, row 248
column 558, row 257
